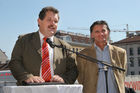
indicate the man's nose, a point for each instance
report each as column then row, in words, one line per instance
column 52, row 22
column 101, row 33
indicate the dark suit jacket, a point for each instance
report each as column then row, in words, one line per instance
column 26, row 59
column 88, row 71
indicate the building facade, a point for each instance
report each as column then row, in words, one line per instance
column 132, row 46
column 3, row 57
column 78, row 41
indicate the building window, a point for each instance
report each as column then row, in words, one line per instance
column 138, row 50
column 131, row 51
column 82, row 41
column 68, row 38
column 132, row 73
column 139, row 72
column 139, row 61
column 131, row 62
column 88, row 41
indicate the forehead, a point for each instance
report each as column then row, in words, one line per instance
column 99, row 27
column 51, row 14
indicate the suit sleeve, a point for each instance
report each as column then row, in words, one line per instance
column 16, row 62
column 71, row 72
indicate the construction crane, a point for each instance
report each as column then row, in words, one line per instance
column 112, row 30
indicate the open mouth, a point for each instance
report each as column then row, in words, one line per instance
column 52, row 31
column 51, row 27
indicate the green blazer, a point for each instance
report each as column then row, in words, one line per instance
column 26, row 59
column 88, row 71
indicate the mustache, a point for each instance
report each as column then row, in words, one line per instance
column 51, row 26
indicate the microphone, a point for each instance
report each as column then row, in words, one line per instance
column 50, row 42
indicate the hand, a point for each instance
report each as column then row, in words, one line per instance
column 57, row 78
column 34, row 79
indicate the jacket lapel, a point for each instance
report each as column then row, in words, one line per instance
column 112, row 53
column 93, row 51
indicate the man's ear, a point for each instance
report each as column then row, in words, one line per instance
column 91, row 35
column 39, row 21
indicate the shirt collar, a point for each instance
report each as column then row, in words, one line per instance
column 42, row 36
column 99, row 48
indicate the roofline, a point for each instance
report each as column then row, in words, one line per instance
column 4, row 53
column 125, row 42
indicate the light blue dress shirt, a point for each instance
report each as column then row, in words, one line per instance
column 112, row 85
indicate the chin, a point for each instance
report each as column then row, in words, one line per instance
column 52, row 34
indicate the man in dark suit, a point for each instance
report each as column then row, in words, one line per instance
column 26, row 60
column 91, row 74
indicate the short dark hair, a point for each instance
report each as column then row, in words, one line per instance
column 42, row 13
column 101, row 22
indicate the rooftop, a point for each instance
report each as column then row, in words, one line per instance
column 76, row 37
column 132, row 39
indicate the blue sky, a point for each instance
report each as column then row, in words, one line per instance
column 20, row 17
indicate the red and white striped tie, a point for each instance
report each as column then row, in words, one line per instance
column 45, row 65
